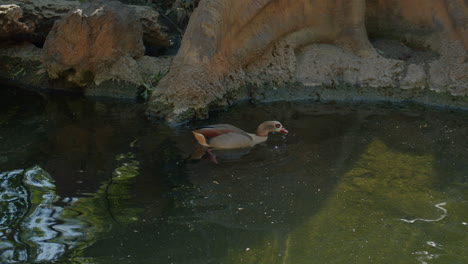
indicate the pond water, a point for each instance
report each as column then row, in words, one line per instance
column 94, row 182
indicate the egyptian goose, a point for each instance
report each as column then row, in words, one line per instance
column 225, row 136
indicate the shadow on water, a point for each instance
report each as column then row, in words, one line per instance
column 94, row 182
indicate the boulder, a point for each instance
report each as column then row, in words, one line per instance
column 94, row 50
column 40, row 15
column 426, row 24
column 94, row 38
column 153, row 33
column 226, row 36
column 10, row 24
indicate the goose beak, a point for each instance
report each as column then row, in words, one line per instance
column 284, row 131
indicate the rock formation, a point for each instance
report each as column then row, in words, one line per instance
column 153, row 32
column 237, row 49
column 428, row 24
column 95, row 48
column 231, row 43
column 40, row 15
column 10, row 24
column 91, row 40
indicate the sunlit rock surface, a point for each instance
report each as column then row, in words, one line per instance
column 230, row 44
column 93, row 39
column 98, row 47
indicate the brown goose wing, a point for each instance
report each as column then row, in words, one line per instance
column 212, row 131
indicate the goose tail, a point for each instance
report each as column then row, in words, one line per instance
column 200, row 138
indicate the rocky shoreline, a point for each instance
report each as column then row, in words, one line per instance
column 114, row 50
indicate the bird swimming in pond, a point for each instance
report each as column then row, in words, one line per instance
column 224, row 136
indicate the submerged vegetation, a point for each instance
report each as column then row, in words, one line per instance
column 150, row 85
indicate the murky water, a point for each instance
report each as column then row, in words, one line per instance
column 94, row 182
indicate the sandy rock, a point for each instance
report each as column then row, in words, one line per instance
column 323, row 64
column 415, row 77
column 427, row 24
column 231, row 41
column 142, row 70
column 331, row 66
column 123, row 68
column 225, row 36
column 10, row 26
column 450, row 72
column 93, row 38
column 153, row 33
column 151, row 66
column 119, row 79
column 277, row 65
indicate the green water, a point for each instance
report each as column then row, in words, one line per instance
column 94, row 182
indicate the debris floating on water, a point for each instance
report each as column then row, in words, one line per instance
column 429, row 220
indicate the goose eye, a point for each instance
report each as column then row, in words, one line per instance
column 277, row 125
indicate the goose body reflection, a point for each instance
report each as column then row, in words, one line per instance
column 202, row 152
